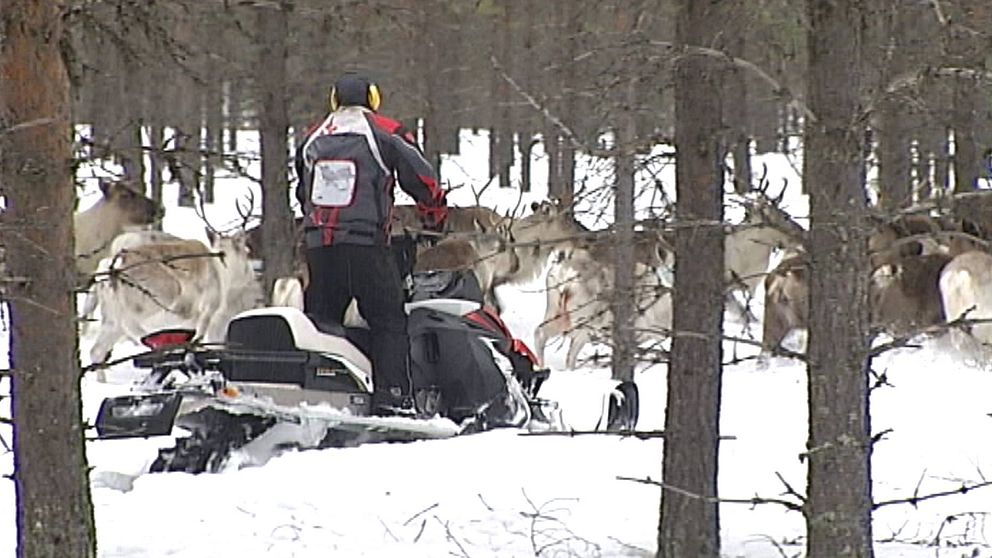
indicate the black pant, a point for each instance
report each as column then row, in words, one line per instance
column 367, row 273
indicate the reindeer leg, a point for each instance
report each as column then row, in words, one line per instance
column 542, row 334
column 492, row 300
column 579, row 338
column 110, row 334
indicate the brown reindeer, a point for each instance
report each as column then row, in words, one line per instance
column 786, row 300
column 468, row 219
column 904, row 296
column 120, row 208
column 490, row 255
column 549, row 227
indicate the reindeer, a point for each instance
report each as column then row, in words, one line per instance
column 919, row 234
column 173, row 283
column 786, row 300
column 904, row 296
column 910, row 255
column 120, row 208
column 966, row 294
column 575, row 310
column 466, row 219
column 490, row 255
column 550, row 226
column 748, row 247
column 124, row 241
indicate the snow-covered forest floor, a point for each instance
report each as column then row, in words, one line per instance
column 504, row 493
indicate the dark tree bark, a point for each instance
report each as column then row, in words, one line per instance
column 233, row 116
column 54, row 510
column 156, row 140
column 213, row 140
column 571, row 27
column 838, row 506
column 735, row 95
column 503, row 119
column 526, row 153
column 278, row 239
column 624, row 339
column 183, row 160
column 433, row 109
column 689, row 526
column 965, row 48
column 894, row 131
column 552, row 150
column 895, row 184
column 129, row 142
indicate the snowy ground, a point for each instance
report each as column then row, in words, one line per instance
column 505, row 494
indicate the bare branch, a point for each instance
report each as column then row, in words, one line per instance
column 916, row 499
column 753, row 501
column 777, row 87
column 421, row 512
column 639, row 434
column 451, row 537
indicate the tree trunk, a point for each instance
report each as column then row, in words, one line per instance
column 966, row 49
column 735, row 97
column 278, row 239
column 432, row 109
column 130, row 149
column 233, row 114
column 838, row 506
column 526, row 153
column 156, row 135
column 156, row 138
column 504, row 113
column 895, row 185
column 552, row 150
column 689, row 525
column 213, row 141
column 184, row 159
column 624, row 340
column 54, row 510
column 896, row 119
column 968, row 97
column 565, row 160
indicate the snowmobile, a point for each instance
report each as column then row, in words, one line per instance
column 283, row 379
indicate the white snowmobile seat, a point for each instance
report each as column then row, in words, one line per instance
column 453, row 306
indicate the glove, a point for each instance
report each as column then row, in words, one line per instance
column 433, row 218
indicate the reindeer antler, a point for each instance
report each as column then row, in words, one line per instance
column 478, row 193
column 201, row 212
column 245, row 215
column 763, row 182
column 777, row 200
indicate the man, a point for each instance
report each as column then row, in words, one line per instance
column 347, row 166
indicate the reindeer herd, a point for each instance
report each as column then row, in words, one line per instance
column 926, row 274
column 925, row 271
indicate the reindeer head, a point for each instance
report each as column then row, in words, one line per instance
column 764, row 210
column 134, row 206
column 547, row 208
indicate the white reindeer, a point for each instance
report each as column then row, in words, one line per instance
column 173, row 283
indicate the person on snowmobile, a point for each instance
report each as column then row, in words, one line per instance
column 346, row 167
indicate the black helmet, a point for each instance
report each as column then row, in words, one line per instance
column 351, row 89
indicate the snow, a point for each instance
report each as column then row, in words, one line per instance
column 504, row 493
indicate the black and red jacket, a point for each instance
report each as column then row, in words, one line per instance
column 347, row 166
